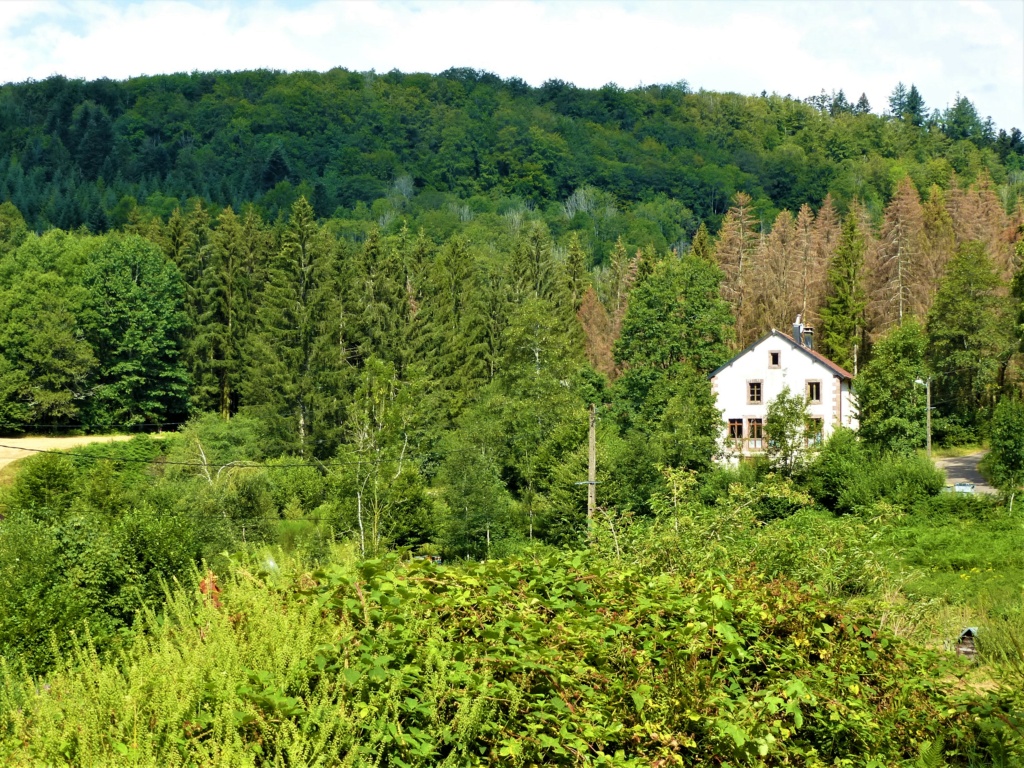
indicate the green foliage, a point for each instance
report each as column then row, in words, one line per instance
column 415, row 664
column 85, row 544
column 890, row 401
column 1006, row 440
column 691, row 424
column 75, row 150
column 835, row 470
column 848, row 477
column 676, row 315
column 969, row 338
column 133, row 319
column 784, row 428
column 295, row 370
column 842, row 316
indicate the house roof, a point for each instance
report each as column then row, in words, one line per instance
column 838, row 371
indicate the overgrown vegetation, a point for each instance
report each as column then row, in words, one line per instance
column 383, row 351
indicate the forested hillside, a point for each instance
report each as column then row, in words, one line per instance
column 74, row 152
column 375, row 312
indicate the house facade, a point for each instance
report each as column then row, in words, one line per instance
column 745, row 386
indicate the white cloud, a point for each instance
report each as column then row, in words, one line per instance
column 943, row 46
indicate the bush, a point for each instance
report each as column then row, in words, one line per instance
column 840, row 462
column 556, row 660
column 84, row 544
column 847, row 478
column 978, row 506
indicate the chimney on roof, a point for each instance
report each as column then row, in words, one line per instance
column 808, row 337
column 798, row 331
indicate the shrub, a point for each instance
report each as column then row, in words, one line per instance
column 847, row 478
column 839, row 463
column 84, row 544
column 556, row 660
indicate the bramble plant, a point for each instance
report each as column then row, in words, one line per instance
column 561, row 659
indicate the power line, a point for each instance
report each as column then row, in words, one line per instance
column 240, row 464
column 108, row 426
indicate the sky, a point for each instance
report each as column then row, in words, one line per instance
column 799, row 47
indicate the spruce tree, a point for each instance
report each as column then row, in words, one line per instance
column 379, row 300
column 842, row 316
column 702, row 246
column 451, row 330
column 222, row 328
column 295, row 366
column 970, row 339
column 575, row 275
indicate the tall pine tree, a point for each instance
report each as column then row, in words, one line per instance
column 842, row 316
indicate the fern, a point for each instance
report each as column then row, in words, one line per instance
column 930, row 755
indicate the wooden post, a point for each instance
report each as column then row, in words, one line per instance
column 592, row 472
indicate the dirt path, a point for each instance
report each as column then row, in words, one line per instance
column 9, row 446
column 964, row 469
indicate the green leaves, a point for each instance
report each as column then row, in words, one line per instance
column 890, row 399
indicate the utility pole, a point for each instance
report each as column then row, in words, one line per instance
column 592, row 472
column 928, row 413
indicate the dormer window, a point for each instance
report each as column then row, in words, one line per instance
column 773, row 359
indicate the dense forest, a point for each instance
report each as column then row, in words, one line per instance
column 76, row 153
column 368, row 314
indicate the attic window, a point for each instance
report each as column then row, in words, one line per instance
column 754, row 393
column 773, row 359
column 814, row 391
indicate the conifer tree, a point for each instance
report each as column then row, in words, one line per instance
column 979, row 215
column 735, row 249
column 575, row 276
column 914, row 109
column 379, row 300
column 779, row 271
column 495, row 305
column 702, row 246
column 895, row 264
column 617, row 280
column 451, row 337
column 221, row 333
column 842, row 316
column 597, row 334
column 827, row 230
column 940, row 242
column 970, row 337
column 532, row 270
column 295, row 369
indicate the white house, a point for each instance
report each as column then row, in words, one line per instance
column 745, row 386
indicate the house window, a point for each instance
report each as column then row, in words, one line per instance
column 754, row 393
column 735, row 429
column 814, row 391
column 773, row 359
column 755, row 432
column 815, row 431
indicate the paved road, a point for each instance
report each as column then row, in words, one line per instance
column 12, row 453
column 964, row 469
